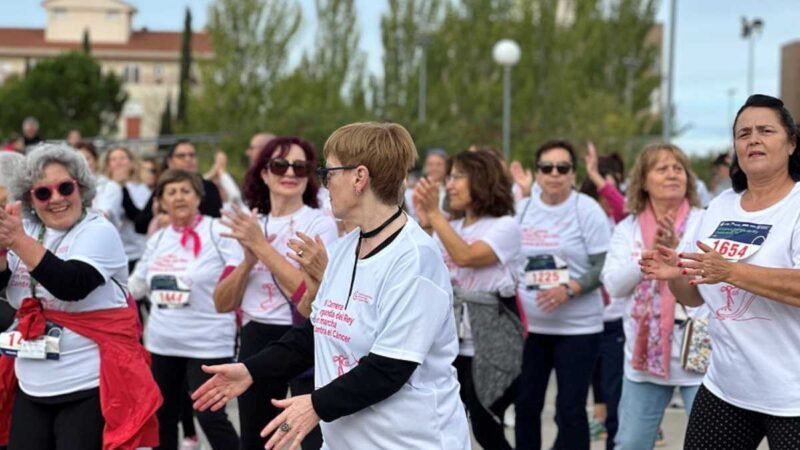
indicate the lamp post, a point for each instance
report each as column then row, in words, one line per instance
column 751, row 29
column 666, row 114
column 423, row 40
column 506, row 53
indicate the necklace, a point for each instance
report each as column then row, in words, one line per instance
column 367, row 235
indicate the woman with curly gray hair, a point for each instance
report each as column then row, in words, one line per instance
column 9, row 163
column 73, row 349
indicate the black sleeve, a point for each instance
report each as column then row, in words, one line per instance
column 285, row 359
column 52, row 273
column 373, row 380
column 5, row 277
column 131, row 211
column 142, row 220
column 212, row 201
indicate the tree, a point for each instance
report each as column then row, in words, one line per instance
column 251, row 40
column 186, row 68
column 65, row 92
column 166, row 118
column 87, row 46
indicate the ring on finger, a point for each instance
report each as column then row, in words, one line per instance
column 300, row 254
column 285, row 427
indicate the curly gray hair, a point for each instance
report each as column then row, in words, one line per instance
column 33, row 170
column 10, row 165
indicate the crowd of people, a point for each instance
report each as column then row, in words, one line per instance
column 348, row 303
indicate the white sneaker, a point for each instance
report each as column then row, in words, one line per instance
column 190, row 443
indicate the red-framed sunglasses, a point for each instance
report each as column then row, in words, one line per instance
column 44, row 193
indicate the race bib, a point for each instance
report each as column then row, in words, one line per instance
column 47, row 346
column 167, row 291
column 545, row 272
column 736, row 241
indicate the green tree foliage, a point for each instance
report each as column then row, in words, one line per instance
column 166, row 118
column 185, row 76
column 251, row 41
column 65, row 92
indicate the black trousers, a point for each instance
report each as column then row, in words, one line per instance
column 572, row 357
column 66, row 422
column 173, row 375
column 488, row 432
column 255, row 407
column 715, row 423
column 608, row 372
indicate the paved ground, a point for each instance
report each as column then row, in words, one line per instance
column 673, row 425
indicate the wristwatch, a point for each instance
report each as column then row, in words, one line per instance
column 570, row 292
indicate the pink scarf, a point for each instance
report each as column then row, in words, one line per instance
column 188, row 233
column 653, row 310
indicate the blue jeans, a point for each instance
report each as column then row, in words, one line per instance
column 641, row 410
column 572, row 358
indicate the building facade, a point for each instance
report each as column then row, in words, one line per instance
column 790, row 77
column 148, row 61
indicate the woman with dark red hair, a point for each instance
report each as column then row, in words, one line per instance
column 267, row 285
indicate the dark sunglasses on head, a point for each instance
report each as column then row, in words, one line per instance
column 280, row 166
column 44, row 193
column 547, row 168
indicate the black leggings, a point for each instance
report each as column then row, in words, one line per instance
column 67, row 422
column 255, row 408
column 173, row 375
column 488, row 432
column 715, row 424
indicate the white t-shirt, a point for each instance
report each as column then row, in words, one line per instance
column 263, row 301
column 134, row 242
column 401, row 308
column 93, row 241
column 108, row 200
column 569, row 232
column 502, row 235
column 756, row 341
column 621, row 275
column 197, row 330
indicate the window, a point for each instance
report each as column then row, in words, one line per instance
column 158, row 73
column 131, row 73
column 113, row 15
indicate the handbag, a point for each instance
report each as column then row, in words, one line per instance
column 696, row 345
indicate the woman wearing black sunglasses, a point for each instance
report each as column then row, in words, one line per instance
column 66, row 271
column 565, row 236
column 282, row 189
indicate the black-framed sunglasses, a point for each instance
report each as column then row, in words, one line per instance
column 45, row 193
column 280, row 166
column 324, row 173
column 547, row 168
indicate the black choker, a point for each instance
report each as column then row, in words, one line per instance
column 373, row 233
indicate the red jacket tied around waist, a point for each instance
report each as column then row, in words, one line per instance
column 129, row 397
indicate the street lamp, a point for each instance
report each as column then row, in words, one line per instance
column 423, row 40
column 750, row 29
column 506, row 53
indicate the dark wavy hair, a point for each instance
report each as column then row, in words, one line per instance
column 489, row 183
column 256, row 192
column 558, row 143
column 738, row 177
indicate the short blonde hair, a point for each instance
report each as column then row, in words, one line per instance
column 637, row 197
column 385, row 149
column 105, row 168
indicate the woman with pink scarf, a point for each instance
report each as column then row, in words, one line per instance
column 663, row 203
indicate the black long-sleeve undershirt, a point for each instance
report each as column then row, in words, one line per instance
column 68, row 281
column 375, row 379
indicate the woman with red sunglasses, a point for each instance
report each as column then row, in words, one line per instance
column 74, row 350
column 281, row 187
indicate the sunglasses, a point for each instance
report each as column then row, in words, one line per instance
column 44, row 193
column 324, row 173
column 547, row 168
column 280, row 166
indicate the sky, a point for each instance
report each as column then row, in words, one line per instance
column 711, row 58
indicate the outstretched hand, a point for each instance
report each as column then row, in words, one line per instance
column 228, row 382
column 293, row 424
column 708, row 267
column 660, row 263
